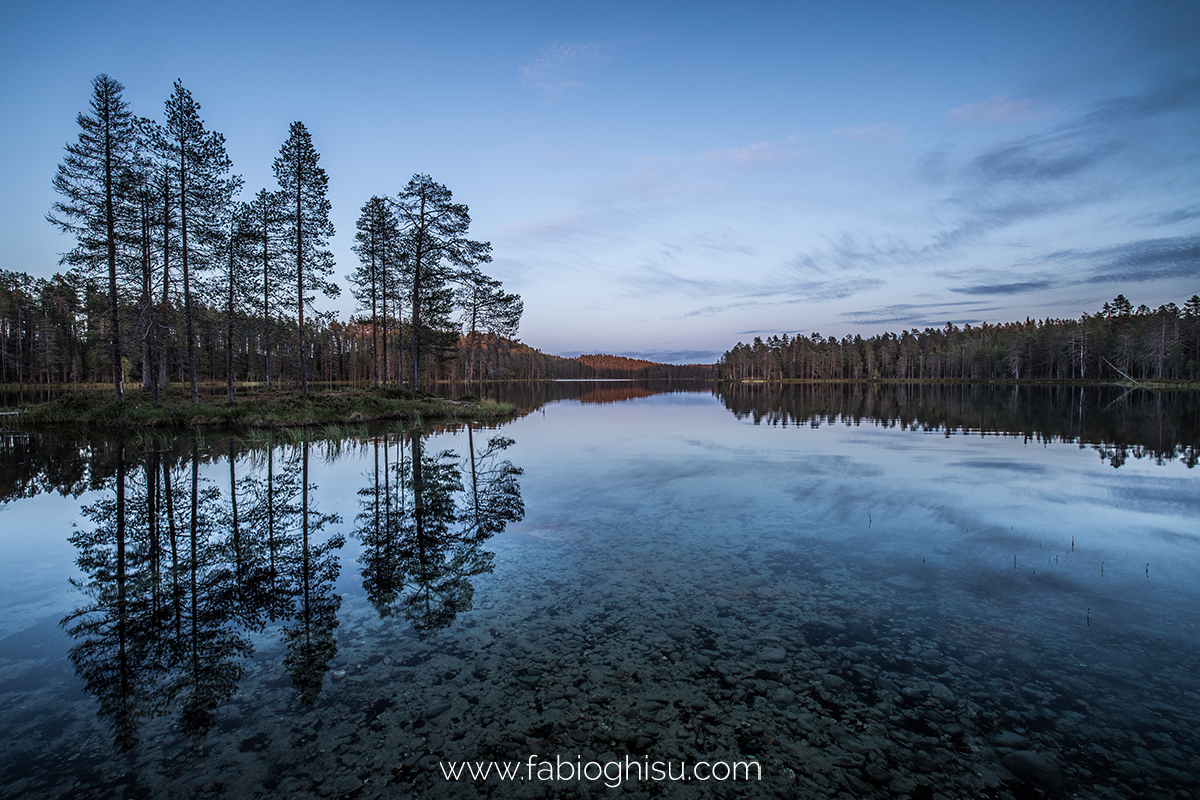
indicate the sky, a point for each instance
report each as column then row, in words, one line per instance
column 664, row 180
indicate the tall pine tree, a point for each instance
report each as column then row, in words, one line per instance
column 434, row 231
column 376, row 245
column 306, row 214
column 203, row 189
column 263, row 224
column 485, row 306
column 95, row 182
column 233, row 278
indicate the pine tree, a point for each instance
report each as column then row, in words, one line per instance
column 94, row 180
column 235, row 257
column 203, row 189
column 485, row 306
column 263, row 227
column 376, row 247
column 434, row 231
column 306, row 214
column 145, row 238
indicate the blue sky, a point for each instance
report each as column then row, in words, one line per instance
column 666, row 179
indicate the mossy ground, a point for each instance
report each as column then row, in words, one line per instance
column 258, row 409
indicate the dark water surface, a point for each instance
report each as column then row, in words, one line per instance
column 854, row 591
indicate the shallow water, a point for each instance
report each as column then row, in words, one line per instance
column 890, row 606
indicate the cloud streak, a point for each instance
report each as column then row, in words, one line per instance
column 999, row 110
column 882, row 132
column 758, row 154
column 559, row 67
column 917, row 314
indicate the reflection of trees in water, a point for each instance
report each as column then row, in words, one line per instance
column 382, row 511
column 423, row 531
column 156, row 633
column 206, row 672
column 177, row 576
column 117, row 664
column 179, row 569
column 1119, row 423
column 310, row 570
column 33, row 463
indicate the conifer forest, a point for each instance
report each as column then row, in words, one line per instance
column 179, row 273
column 1118, row 343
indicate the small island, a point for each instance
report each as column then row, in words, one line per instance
column 259, row 409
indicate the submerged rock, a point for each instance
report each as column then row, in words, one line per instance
column 1013, row 741
column 905, row 582
column 833, row 681
column 1035, row 768
column 783, row 696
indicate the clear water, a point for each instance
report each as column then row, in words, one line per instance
column 852, row 588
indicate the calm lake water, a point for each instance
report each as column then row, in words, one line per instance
column 848, row 591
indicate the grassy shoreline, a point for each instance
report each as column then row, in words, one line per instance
column 257, row 409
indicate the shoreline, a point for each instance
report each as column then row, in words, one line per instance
column 254, row 410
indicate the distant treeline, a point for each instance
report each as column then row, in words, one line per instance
column 605, row 366
column 1117, row 343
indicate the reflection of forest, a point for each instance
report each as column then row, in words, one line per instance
column 1119, row 423
column 181, row 569
column 614, row 394
column 530, row 395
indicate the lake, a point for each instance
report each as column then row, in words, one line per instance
column 633, row 589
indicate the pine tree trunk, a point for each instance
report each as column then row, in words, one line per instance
column 300, row 282
column 110, row 232
column 187, row 285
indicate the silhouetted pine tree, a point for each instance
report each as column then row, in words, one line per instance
column 306, row 213
column 96, row 183
column 434, row 230
column 376, row 245
column 199, row 168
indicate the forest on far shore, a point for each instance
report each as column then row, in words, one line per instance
column 53, row 332
column 1117, row 343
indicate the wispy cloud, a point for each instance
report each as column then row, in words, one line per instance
column 769, row 332
column 1130, row 262
column 1020, row 287
column 774, row 153
column 1039, row 159
column 560, row 67
column 1179, row 91
column 1145, row 260
column 769, row 292
column 985, row 215
column 716, row 244
column 1178, row 215
column 999, row 110
column 850, row 252
column 881, row 132
column 917, row 314
column 674, row 356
